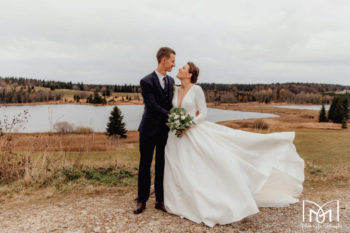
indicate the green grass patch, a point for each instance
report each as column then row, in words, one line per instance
column 71, row 93
column 125, row 94
column 327, row 156
column 324, row 147
column 108, row 176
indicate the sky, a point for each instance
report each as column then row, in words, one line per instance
column 231, row 41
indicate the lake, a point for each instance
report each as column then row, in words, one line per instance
column 309, row 107
column 43, row 117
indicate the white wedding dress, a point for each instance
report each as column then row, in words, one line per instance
column 218, row 175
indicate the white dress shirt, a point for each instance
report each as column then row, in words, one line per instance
column 160, row 77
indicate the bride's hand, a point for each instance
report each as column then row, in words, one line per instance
column 178, row 133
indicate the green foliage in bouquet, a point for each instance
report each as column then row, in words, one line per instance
column 179, row 120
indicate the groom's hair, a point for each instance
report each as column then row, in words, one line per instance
column 164, row 52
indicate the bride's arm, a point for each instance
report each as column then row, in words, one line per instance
column 201, row 105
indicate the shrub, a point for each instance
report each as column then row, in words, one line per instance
column 83, row 130
column 344, row 124
column 260, row 124
column 96, row 99
column 63, row 127
column 245, row 125
column 12, row 167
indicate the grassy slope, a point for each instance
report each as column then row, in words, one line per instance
column 327, row 157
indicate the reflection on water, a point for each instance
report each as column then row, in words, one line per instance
column 43, row 117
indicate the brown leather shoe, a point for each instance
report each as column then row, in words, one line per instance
column 140, row 206
column 160, row 206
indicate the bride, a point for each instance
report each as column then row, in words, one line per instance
column 218, row 175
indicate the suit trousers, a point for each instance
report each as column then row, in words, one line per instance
column 147, row 146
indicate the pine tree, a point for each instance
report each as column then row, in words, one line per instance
column 345, row 107
column 116, row 126
column 322, row 117
column 331, row 111
column 344, row 124
column 338, row 109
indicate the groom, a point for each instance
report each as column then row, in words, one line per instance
column 157, row 93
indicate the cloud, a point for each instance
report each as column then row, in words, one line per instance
column 231, row 41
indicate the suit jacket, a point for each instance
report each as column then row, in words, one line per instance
column 157, row 104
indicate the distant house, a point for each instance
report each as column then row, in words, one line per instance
column 343, row 92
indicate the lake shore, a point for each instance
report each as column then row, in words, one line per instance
column 289, row 118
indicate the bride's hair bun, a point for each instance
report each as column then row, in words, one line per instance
column 194, row 70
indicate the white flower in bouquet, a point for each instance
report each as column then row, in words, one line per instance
column 179, row 120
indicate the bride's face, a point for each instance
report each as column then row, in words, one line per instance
column 183, row 72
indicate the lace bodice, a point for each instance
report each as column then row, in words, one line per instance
column 193, row 100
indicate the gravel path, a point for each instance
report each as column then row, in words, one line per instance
column 112, row 213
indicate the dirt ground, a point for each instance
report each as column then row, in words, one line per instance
column 111, row 211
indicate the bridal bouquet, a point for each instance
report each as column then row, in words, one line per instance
column 179, row 120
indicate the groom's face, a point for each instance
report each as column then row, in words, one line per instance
column 169, row 62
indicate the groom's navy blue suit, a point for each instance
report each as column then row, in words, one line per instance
column 153, row 133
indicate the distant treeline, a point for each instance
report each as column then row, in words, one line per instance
column 295, row 88
column 298, row 93
column 13, row 81
column 27, row 95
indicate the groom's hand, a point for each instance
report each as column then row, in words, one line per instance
column 167, row 117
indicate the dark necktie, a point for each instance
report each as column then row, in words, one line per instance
column 165, row 83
